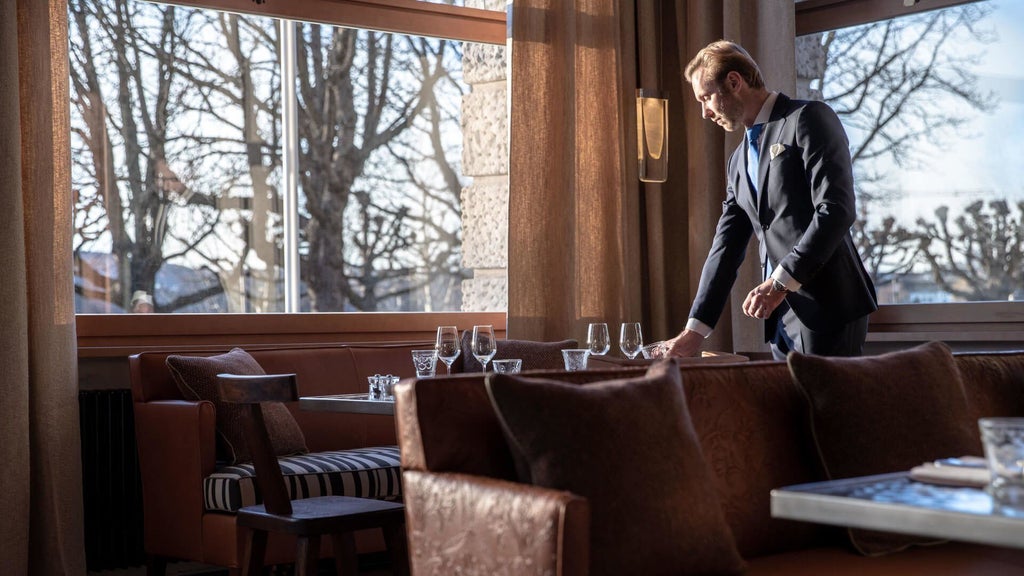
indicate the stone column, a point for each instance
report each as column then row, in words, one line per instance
column 485, row 160
column 810, row 66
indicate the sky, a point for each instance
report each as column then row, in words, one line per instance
column 988, row 161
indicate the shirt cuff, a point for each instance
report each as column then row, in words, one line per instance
column 785, row 279
column 699, row 327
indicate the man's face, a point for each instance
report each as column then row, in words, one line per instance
column 718, row 103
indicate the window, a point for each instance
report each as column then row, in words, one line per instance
column 183, row 159
column 931, row 102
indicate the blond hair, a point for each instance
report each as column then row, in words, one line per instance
column 721, row 57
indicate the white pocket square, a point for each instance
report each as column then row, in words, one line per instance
column 777, row 149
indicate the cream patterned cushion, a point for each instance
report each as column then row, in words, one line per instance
column 361, row 472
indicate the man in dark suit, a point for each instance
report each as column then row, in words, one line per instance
column 790, row 183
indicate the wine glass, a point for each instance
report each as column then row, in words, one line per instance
column 447, row 345
column 597, row 338
column 483, row 345
column 631, row 339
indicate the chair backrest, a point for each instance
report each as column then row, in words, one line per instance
column 251, row 391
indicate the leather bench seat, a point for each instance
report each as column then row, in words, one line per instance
column 754, row 425
column 372, row 472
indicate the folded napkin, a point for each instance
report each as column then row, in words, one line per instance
column 965, row 471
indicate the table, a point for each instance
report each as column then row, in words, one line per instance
column 351, row 403
column 895, row 503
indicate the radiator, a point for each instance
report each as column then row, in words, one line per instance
column 111, row 487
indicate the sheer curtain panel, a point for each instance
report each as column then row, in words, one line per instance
column 41, row 487
column 574, row 221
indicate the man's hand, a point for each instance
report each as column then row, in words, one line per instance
column 686, row 344
column 762, row 300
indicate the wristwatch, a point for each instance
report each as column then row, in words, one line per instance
column 778, row 286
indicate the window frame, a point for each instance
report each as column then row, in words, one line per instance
column 822, row 15
column 988, row 324
column 963, row 325
column 117, row 335
column 412, row 17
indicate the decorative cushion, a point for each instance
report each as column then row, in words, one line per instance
column 196, row 377
column 362, row 473
column 628, row 446
column 535, row 355
column 993, row 384
column 886, row 413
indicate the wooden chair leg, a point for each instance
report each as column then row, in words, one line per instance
column 398, row 550
column 345, row 560
column 255, row 550
column 307, row 556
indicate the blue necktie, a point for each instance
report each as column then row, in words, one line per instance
column 753, row 156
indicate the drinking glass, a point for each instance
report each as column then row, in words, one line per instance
column 655, row 350
column 597, row 338
column 425, row 362
column 447, row 345
column 631, row 339
column 575, row 358
column 1003, row 441
column 509, row 366
column 483, row 345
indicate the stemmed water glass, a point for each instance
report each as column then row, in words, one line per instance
column 597, row 338
column 631, row 339
column 447, row 345
column 483, row 345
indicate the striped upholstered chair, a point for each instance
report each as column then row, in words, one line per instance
column 194, row 477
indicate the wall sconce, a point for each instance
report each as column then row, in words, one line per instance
column 652, row 135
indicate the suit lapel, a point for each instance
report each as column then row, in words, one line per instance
column 770, row 135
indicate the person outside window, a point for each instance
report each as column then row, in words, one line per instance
column 142, row 302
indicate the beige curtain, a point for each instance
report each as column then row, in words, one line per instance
column 568, row 190
column 574, row 222
column 41, row 487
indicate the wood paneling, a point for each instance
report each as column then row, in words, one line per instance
column 820, row 15
column 401, row 16
column 123, row 334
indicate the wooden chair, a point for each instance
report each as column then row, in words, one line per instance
column 309, row 518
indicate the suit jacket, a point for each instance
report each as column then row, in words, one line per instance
column 801, row 217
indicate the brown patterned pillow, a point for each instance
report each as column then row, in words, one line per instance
column 993, row 384
column 886, row 413
column 535, row 355
column 196, row 377
column 628, row 446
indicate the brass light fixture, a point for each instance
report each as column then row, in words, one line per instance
column 652, row 135
column 651, row 101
